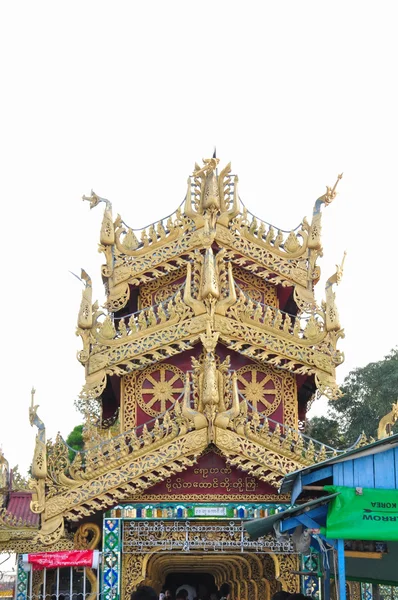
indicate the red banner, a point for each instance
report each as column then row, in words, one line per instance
column 65, row 558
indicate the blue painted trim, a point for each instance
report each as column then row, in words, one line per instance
column 318, row 475
column 297, row 488
column 341, row 569
column 308, row 522
column 338, row 477
column 290, row 524
column 306, row 519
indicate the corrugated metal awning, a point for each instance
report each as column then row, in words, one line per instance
column 260, row 527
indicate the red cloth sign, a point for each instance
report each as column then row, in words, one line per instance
column 65, row 558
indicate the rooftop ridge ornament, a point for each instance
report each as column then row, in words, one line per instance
column 331, row 193
column 94, row 200
column 209, row 166
column 39, row 463
column 107, row 234
column 211, row 197
column 332, row 316
column 314, row 238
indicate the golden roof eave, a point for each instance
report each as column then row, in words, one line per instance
column 123, row 477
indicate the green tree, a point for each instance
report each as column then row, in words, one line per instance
column 368, row 393
column 75, row 440
column 327, row 431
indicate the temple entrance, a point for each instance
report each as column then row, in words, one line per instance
column 251, row 576
column 198, row 585
column 179, row 551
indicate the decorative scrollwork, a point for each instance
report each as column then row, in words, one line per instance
column 260, row 387
column 158, row 387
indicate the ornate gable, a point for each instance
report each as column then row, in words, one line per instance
column 211, row 342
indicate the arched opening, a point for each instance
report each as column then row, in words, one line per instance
column 198, row 584
column 244, row 572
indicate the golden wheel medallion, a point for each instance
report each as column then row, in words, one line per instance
column 158, row 387
column 260, row 387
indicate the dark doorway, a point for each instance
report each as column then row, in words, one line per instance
column 202, row 583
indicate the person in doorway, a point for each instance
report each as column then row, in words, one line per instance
column 282, row 595
column 188, row 591
column 224, row 592
column 167, row 595
column 144, row 592
column 182, row 594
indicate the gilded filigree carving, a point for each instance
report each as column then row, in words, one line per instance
column 261, row 387
column 158, row 387
column 128, row 402
column 39, row 463
column 332, row 315
column 256, row 288
column 289, row 564
column 161, row 288
column 133, row 572
column 207, row 242
column 85, row 489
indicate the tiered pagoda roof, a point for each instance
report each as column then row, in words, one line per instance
column 211, row 279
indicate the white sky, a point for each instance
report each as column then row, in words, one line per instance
column 123, row 97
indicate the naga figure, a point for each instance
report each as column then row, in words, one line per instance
column 314, row 236
column 332, row 315
column 387, row 422
column 314, row 241
column 4, row 477
column 85, row 318
column 39, row 464
column 107, row 234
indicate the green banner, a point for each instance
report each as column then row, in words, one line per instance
column 362, row 514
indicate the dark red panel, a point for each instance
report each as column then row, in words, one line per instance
column 212, row 475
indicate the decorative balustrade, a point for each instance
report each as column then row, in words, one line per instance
column 171, row 424
column 116, row 449
column 283, row 437
column 131, row 240
column 289, row 242
column 170, row 310
column 309, row 328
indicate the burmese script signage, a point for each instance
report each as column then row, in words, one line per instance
column 189, row 536
column 362, row 514
column 210, row 511
column 212, row 476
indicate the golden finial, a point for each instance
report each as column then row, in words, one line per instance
column 94, row 199
column 209, row 165
column 331, row 192
column 340, row 269
column 32, row 392
column 33, row 408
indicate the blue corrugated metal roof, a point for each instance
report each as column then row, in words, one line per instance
column 373, row 448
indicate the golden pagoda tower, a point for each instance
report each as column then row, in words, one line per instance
column 198, row 373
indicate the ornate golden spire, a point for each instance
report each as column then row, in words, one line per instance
column 332, row 314
column 314, row 239
column 331, row 192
